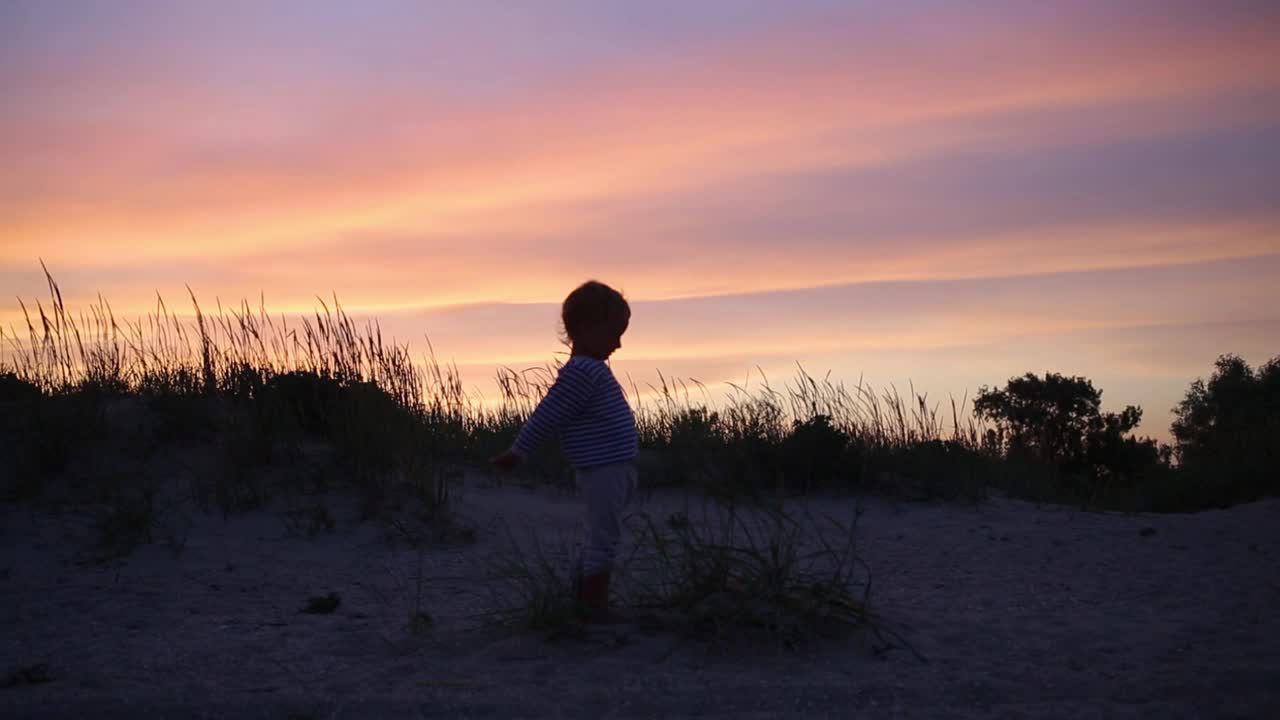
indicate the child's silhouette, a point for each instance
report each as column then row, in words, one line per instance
column 588, row 410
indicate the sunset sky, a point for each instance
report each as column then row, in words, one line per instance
column 947, row 193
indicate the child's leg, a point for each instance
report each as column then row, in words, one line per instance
column 606, row 490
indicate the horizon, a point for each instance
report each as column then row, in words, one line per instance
column 907, row 193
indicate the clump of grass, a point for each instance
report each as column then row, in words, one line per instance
column 530, row 589
column 128, row 514
column 422, row 514
column 744, row 569
column 127, row 523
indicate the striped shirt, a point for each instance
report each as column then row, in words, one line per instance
column 587, row 409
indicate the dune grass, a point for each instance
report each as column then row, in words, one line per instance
column 529, row 587
column 266, row 390
column 737, row 572
column 753, row 574
column 261, row 388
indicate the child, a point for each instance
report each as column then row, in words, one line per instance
column 587, row 409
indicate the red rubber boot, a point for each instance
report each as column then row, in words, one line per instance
column 593, row 597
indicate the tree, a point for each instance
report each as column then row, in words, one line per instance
column 1227, row 430
column 1059, row 419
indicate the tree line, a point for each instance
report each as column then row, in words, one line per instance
column 1226, row 433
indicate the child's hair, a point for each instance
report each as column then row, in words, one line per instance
column 591, row 302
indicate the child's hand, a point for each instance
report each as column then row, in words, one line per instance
column 506, row 461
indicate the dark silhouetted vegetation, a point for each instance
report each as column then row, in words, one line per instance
column 321, row 403
column 1058, row 421
column 1227, row 433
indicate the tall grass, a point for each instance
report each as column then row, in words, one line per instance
column 229, row 353
column 813, row 434
column 738, row 568
column 266, row 385
column 256, row 389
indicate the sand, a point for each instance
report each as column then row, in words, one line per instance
column 1021, row 612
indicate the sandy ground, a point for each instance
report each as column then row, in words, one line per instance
column 1021, row 611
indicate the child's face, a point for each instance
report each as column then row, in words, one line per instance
column 600, row 339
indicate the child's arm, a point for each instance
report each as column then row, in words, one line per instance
column 565, row 399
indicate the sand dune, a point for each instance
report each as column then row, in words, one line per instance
column 1021, row 611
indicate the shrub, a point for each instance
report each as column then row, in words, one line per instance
column 1227, row 431
column 17, row 394
column 931, row 470
column 814, row 455
column 23, row 444
column 691, row 447
column 1058, row 419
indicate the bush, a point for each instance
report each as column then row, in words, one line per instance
column 693, row 448
column 26, row 461
column 1059, row 420
column 1227, row 431
column 931, row 470
column 16, row 394
column 815, row 454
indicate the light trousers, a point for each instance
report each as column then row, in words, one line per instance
column 607, row 490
